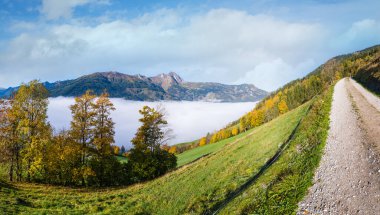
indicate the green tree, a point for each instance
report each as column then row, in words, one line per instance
column 147, row 160
column 122, row 150
column 64, row 161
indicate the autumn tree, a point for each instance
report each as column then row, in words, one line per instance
column 282, row 107
column 214, row 138
column 82, row 132
column 235, row 131
column 203, row 141
column 257, row 118
column 244, row 123
column 29, row 106
column 104, row 130
column 116, row 150
column 10, row 145
column 64, row 161
column 146, row 159
column 173, row 149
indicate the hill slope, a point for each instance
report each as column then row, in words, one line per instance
column 162, row 87
column 197, row 186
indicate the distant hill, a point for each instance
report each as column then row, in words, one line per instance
column 161, row 87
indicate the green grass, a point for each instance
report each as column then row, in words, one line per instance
column 196, row 153
column 122, row 159
column 191, row 189
column 285, row 183
column 185, row 143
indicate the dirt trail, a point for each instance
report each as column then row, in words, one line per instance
column 348, row 178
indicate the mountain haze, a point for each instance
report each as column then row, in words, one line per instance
column 161, row 87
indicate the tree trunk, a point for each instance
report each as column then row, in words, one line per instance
column 28, row 168
column 11, row 169
column 18, row 166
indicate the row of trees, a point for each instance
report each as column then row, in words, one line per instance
column 82, row 155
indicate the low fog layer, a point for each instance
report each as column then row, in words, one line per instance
column 188, row 120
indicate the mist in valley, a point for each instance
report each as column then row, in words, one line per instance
column 187, row 120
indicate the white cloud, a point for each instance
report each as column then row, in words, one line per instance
column 273, row 74
column 367, row 29
column 220, row 45
column 360, row 34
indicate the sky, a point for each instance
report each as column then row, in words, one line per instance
column 262, row 42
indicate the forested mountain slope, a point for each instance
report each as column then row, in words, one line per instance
column 161, row 87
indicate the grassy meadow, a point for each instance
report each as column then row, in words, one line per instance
column 191, row 189
column 286, row 182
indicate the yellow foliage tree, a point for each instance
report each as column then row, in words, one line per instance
column 235, row 131
column 282, row 107
column 116, row 150
column 203, row 141
column 214, row 138
column 244, row 123
column 257, row 118
column 269, row 103
column 173, row 149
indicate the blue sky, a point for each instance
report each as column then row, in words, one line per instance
column 263, row 42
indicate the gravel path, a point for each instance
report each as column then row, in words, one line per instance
column 348, row 178
column 368, row 108
column 371, row 98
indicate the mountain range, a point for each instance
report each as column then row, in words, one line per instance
column 142, row 88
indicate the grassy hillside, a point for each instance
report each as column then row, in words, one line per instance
column 191, row 189
column 198, row 152
column 285, row 183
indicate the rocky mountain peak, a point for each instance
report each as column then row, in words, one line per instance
column 176, row 77
column 167, row 80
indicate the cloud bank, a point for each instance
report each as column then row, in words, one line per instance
column 188, row 120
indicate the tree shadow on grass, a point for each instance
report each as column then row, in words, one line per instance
column 4, row 184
